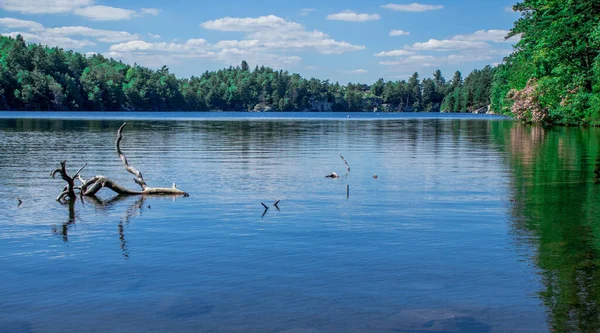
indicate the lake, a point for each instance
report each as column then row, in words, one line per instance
column 473, row 224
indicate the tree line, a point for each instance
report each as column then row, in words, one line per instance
column 37, row 77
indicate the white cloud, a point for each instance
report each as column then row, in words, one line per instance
column 156, row 54
column 306, row 11
column 267, row 40
column 43, row 6
column 150, row 11
column 198, row 46
column 422, row 60
column 250, row 24
column 61, row 36
column 355, row 71
column 394, row 53
column 496, row 36
column 104, row 13
column 350, row 16
column 20, row 24
column 399, row 33
column 107, row 36
column 475, row 47
column 274, row 33
column 85, row 8
column 460, row 58
column 447, row 45
column 154, row 36
column 413, row 7
column 237, row 44
column 50, row 40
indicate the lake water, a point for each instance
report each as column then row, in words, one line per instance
column 474, row 224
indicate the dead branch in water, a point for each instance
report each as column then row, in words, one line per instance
column 91, row 186
column 346, row 162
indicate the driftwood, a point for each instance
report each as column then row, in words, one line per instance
column 335, row 175
column 91, row 186
column 347, row 166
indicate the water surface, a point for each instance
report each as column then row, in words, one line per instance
column 473, row 225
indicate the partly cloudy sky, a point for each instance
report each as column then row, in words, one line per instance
column 345, row 41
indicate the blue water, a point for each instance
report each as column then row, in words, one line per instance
column 428, row 246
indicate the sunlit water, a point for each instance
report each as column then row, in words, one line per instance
column 447, row 238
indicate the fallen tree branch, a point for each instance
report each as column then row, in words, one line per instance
column 69, row 190
column 91, row 186
column 346, row 162
column 139, row 179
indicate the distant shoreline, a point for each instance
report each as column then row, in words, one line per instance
column 237, row 115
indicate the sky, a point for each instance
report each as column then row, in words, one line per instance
column 344, row 41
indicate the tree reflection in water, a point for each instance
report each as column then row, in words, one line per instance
column 134, row 210
column 556, row 209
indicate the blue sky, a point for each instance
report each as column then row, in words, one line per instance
column 345, row 41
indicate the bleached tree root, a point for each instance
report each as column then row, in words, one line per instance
column 91, row 186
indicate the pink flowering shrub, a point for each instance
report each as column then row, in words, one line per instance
column 526, row 104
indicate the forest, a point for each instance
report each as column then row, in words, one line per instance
column 36, row 77
column 552, row 76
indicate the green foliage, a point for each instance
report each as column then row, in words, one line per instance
column 559, row 49
column 35, row 77
column 470, row 94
